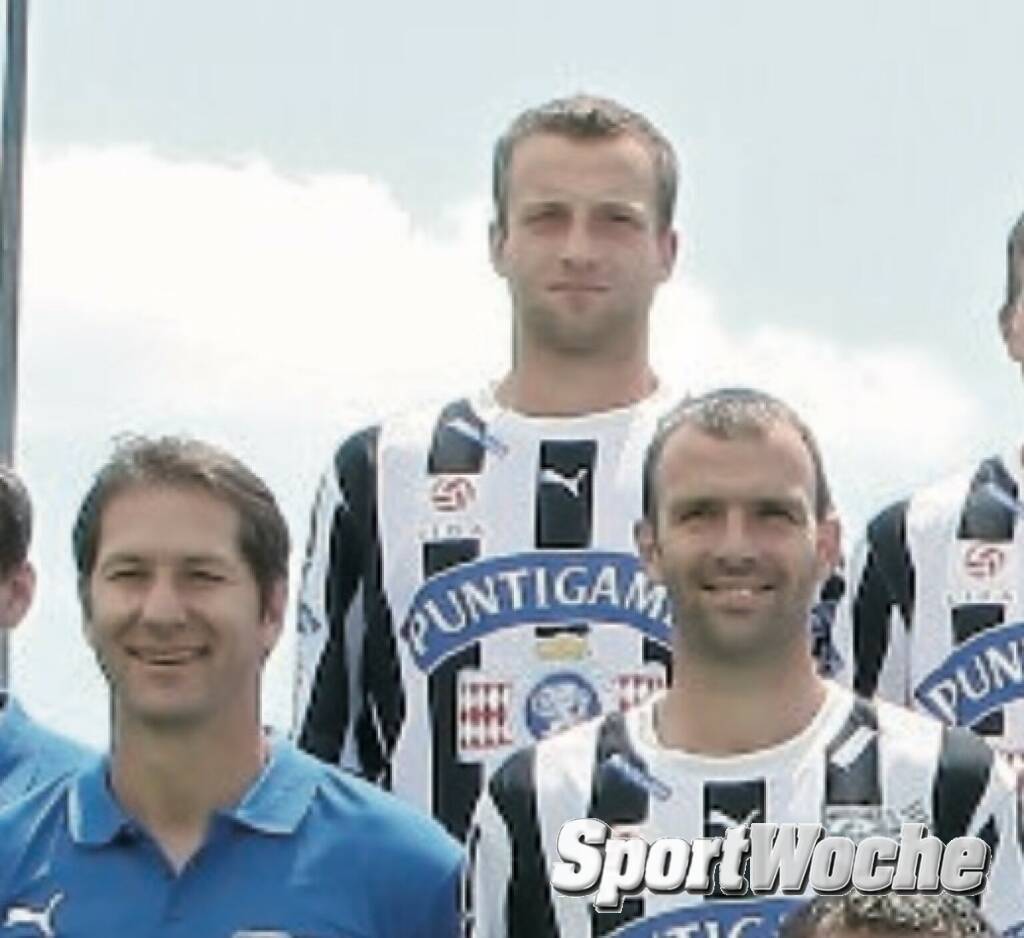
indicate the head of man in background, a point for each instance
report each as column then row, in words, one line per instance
column 17, row 576
column 29, row 754
column 738, row 525
column 892, row 915
column 1011, row 313
column 584, row 194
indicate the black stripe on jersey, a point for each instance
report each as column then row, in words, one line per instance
column 617, row 799
column 969, row 621
column 529, row 907
column 852, row 770
column 565, row 493
column 965, row 765
column 458, row 441
column 985, row 518
column 887, row 581
column 732, row 804
column 355, row 556
column 456, row 785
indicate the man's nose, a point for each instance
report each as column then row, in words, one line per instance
column 736, row 543
column 163, row 603
column 578, row 245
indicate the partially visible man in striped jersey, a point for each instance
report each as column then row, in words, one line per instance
column 933, row 616
column 471, row 584
column 738, row 526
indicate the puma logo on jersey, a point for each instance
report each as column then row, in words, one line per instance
column 40, row 918
column 723, row 819
column 570, row 483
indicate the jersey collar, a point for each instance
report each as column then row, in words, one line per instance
column 275, row 803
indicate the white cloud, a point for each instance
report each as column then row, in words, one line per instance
column 270, row 313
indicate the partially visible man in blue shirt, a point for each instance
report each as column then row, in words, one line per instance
column 197, row 824
column 30, row 755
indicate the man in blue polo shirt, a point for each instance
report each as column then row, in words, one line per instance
column 197, row 824
column 30, row 755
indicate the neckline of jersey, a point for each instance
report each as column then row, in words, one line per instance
column 780, row 759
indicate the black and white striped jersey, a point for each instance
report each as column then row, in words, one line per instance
column 470, row 587
column 858, row 769
column 934, row 614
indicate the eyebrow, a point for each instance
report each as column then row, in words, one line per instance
column 191, row 560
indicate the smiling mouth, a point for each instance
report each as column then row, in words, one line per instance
column 741, row 591
column 167, row 657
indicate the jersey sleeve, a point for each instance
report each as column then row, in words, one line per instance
column 870, row 634
column 342, row 713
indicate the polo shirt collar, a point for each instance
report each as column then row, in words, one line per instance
column 278, row 800
column 274, row 804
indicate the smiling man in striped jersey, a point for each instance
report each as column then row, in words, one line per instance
column 738, row 525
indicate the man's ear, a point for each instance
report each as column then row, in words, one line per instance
column 272, row 621
column 19, row 586
column 496, row 246
column 1012, row 329
column 829, row 544
column 647, row 548
column 668, row 248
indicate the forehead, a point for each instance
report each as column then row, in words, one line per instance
column 545, row 165
column 168, row 521
column 769, row 462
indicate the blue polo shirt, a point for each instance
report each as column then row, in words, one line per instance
column 307, row 853
column 30, row 754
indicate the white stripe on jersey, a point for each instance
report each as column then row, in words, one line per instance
column 910, row 766
column 954, row 578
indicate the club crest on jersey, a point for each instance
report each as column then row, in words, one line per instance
column 450, row 493
column 466, row 603
column 738, row 919
column 560, row 701
column 983, row 674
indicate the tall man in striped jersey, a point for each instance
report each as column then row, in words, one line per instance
column 738, row 527
column 934, row 614
column 471, row 584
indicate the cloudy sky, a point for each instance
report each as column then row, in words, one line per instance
column 263, row 223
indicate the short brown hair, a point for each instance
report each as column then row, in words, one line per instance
column 586, row 117
column 185, row 463
column 730, row 413
column 915, row 915
column 1014, row 274
column 15, row 520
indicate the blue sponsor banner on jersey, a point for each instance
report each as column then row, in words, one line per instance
column 982, row 675
column 718, row 919
column 470, row 601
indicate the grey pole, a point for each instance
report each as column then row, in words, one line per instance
column 11, row 158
